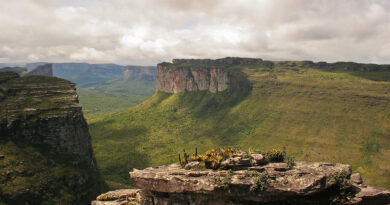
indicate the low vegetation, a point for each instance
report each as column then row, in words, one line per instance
column 96, row 104
column 328, row 114
column 260, row 180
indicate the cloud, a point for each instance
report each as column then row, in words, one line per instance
column 150, row 31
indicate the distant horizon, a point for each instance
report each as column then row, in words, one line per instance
column 102, row 63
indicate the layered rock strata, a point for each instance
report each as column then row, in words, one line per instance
column 201, row 75
column 42, row 134
column 44, row 110
column 306, row 183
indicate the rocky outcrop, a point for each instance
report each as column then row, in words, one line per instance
column 43, row 114
column 202, row 75
column 45, row 110
column 44, row 70
column 119, row 197
column 246, row 178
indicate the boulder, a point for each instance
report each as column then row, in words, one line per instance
column 370, row 195
column 258, row 159
column 236, row 162
column 191, row 165
column 356, row 178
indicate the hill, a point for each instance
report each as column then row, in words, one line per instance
column 319, row 112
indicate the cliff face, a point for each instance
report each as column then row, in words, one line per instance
column 43, row 114
column 45, row 111
column 192, row 79
column 202, row 75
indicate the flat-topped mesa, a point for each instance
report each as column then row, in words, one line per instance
column 45, row 146
column 223, row 61
column 44, row 111
column 203, row 75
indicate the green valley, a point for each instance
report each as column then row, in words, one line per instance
column 317, row 113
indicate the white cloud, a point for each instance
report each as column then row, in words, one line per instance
column 149, row 31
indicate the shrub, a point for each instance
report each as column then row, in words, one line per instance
column 260, row 180
column 212, row 159
column 290, row 162
column 275, row 155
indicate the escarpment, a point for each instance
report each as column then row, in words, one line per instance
column 45, row 142
column 203, row 75
column 43, row 70
column 45, row 110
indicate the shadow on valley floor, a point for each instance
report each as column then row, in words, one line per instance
column 116, row 155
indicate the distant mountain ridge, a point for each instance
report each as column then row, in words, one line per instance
column 107, row 88
column 42, row 70
column 90, row 75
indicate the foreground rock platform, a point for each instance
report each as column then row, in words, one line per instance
column 304, row 183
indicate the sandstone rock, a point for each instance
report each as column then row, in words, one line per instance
column 191, row 165
column 236, row 162
column 370, row 195
column 279, row 166
column 356, row 178
column 199, row 75
column 172, row 184
column 118, row 197
column 45, row 111
column 258, row 159
column 43, row 114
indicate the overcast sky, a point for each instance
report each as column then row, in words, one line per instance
column 150, row 31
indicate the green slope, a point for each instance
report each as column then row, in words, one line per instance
column 97, row 104
column 102, row 98
column 318, row 115
column 33, row 174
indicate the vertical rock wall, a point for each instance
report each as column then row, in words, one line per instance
column 192, row 79
column 204, row 75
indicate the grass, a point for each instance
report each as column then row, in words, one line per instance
column 97, row 104
column 318, row 115
column 32, row 174
column 104, row 98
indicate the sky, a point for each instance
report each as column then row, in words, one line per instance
column 146, row 32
